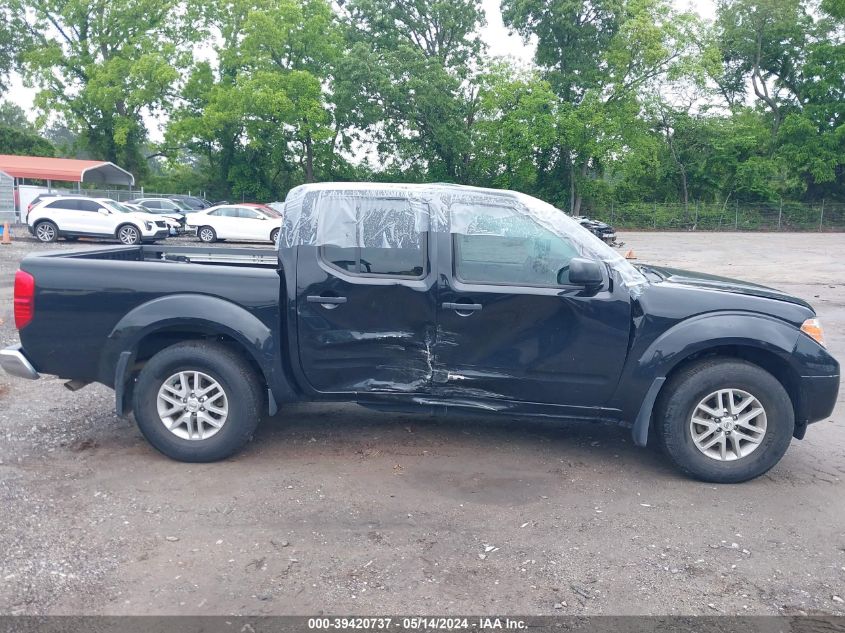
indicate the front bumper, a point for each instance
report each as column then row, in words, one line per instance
column 14, row 363
column 158, row 234
column 818, row 398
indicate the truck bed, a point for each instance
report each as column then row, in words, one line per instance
column 226, row 256
column 89, row 303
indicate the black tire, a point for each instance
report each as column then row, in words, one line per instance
column 274, row 235
column 684, row 391
column 46, row 231
column 237, row 379
column 128, row 234
column 207, row 234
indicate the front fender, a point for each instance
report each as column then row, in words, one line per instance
column 647, row 369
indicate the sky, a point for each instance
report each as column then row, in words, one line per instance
column 499, row 41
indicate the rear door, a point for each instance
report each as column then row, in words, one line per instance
column 366, row 315
column 253, row 225
column 511, row 328
column 66, row 214
column 225, row 221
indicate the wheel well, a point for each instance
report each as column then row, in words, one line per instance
column 120, row 226
column 764, row 359
column 155, row 342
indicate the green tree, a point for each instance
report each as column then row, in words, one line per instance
column 418, row 67
column 598, row 57
column 101, row 65
column 263, row 117
column 13, row 116
column 794, row 59
column 12, row 39
column 23, row 143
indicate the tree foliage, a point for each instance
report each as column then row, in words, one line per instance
column 626, row 100
column 100, row 65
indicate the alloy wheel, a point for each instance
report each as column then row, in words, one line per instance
column 728, row 424
column 192, row 405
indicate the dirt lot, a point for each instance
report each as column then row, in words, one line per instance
column 338, row 509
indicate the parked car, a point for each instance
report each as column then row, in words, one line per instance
column 71, row 217
column 192, row 202
column 175, row 219
column 48, row 196
column 165, row 205
column 601, row 230
column 175, row 222
column 236, row 222
column 435, row 298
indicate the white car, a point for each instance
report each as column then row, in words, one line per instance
column 74, row 217
column 236, row 222
column 174, row 222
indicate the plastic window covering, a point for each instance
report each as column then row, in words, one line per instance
column 374, row 215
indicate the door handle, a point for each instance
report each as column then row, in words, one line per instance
column 326, row 300
column 462, row 307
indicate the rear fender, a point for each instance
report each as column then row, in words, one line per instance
column 197, row 314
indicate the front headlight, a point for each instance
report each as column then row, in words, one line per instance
column 148, row 225
column 813, row 329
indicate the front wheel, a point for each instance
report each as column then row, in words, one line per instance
column 129, row 235
column 724, row 420
column 274, row 236
column 46, row 231
column 197, row 401
column 207, row 234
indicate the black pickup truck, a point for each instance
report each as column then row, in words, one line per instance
column 431, row 298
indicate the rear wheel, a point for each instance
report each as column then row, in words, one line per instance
column 724, row 420
column 46, row 231
column 129, row 235
column 197, row 402
column 207, row 234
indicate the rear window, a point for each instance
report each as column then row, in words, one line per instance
column 391, row 244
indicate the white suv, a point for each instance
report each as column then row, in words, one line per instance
column 73, row 217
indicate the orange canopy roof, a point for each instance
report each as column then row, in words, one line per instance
column 65, row 169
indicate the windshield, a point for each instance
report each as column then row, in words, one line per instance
column 515, row 227
column 117, row 206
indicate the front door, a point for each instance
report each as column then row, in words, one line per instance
column 366, row 314
column 253, row 225
column 512, row 328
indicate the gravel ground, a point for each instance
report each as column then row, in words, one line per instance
column 337, row 509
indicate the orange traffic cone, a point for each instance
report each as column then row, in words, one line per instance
column 7, row 234
column 630, row 254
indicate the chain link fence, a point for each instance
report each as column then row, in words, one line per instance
column 733, row 216
column 695, row 216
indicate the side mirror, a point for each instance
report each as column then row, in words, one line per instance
column 103, row 211
column 582, row 272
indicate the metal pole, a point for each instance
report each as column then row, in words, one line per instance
column 611, row 212
column 654, row 215
column 736, row 217
column 821, row 217
column 780, row 212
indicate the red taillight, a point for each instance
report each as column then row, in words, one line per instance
column 24, row 298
